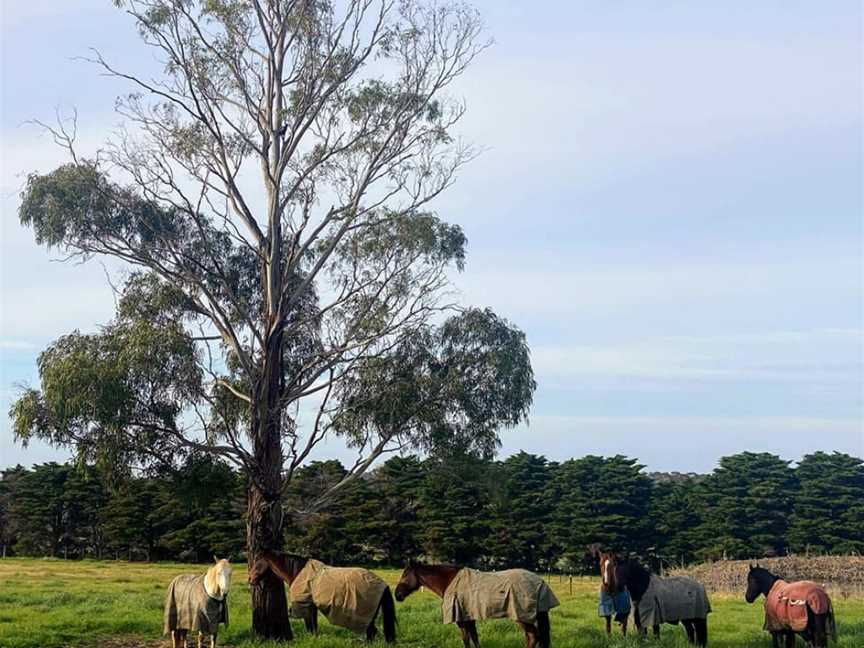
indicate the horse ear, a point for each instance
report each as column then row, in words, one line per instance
column 215, row 559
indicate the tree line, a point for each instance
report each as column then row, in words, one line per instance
column 520, row 511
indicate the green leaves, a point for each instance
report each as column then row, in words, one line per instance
column 600, row 500
column 116, row 396
column 747, row 503
column 446, row 390
column 828, row 504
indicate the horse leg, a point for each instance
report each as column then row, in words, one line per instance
column 637, row 622
column 817, row 624
column 701, row 626
column 608, row 624
column 657, row 631
column 472, row 629
column 311, row 622
column 790, row 639
column 213, row 640
column 688, row 628
column 466, row 635
column 532, row 636
column 200, row 639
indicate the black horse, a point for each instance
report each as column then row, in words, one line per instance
column 801, row 607
column 654, row 601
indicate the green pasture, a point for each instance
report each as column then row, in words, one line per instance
column 46, row 603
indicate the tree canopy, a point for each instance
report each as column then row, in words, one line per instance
column 272, row 194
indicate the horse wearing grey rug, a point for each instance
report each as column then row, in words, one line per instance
column 198, row 603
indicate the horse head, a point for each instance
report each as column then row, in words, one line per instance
column 759, row 581
column 217, row 580
column 608, row 568
column 257, row 570
column 409, row 581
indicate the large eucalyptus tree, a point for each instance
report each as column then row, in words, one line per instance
column 287, row 277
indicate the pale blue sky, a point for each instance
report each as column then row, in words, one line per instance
column 670, row 205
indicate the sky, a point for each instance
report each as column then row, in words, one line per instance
column 669, row 204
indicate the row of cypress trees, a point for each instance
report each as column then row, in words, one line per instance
column 521, row 511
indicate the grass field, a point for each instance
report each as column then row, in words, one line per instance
column 47, row 603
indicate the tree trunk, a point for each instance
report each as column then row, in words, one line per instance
column 264, row 500
column 269, row 604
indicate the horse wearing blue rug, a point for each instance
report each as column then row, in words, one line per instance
column 614, row 600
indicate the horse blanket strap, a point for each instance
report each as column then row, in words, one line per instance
column 516, row 594
column 668, row 600
column 786, row 606
column 617, row 605
column 189, row 607
column 347, row 596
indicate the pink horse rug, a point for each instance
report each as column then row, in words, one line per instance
column 786, row 606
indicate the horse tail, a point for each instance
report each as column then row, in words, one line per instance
column 820, row 626
column 543, row 630
column 388, row 615
column 701, row 628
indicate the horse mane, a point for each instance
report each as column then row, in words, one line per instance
column 636, row 577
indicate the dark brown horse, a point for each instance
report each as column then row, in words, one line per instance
column 614, row 600
column 659, row 600
column 288, row 566
column 438, row 578
column 801, row 607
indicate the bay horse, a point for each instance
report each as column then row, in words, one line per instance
column 198, row 603
column 465, row 606
column 614, row 600
column 328, row 589
column 659, row 600
column 801, row 607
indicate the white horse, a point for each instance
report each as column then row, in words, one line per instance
column 198, row 603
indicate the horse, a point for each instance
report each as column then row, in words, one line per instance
column 315, row 586
column 614, row 600
column 801, row 607
column 198, row 603
column 659, row 600
column 469, row 595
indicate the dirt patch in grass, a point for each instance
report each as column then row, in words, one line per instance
column 132, row 642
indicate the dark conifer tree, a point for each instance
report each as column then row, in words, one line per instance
column 454, row 516
column 397, row 485
column 829, row 504
column 747, row 503
column 675, row 514
column 600, row 500
column 521, row 506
